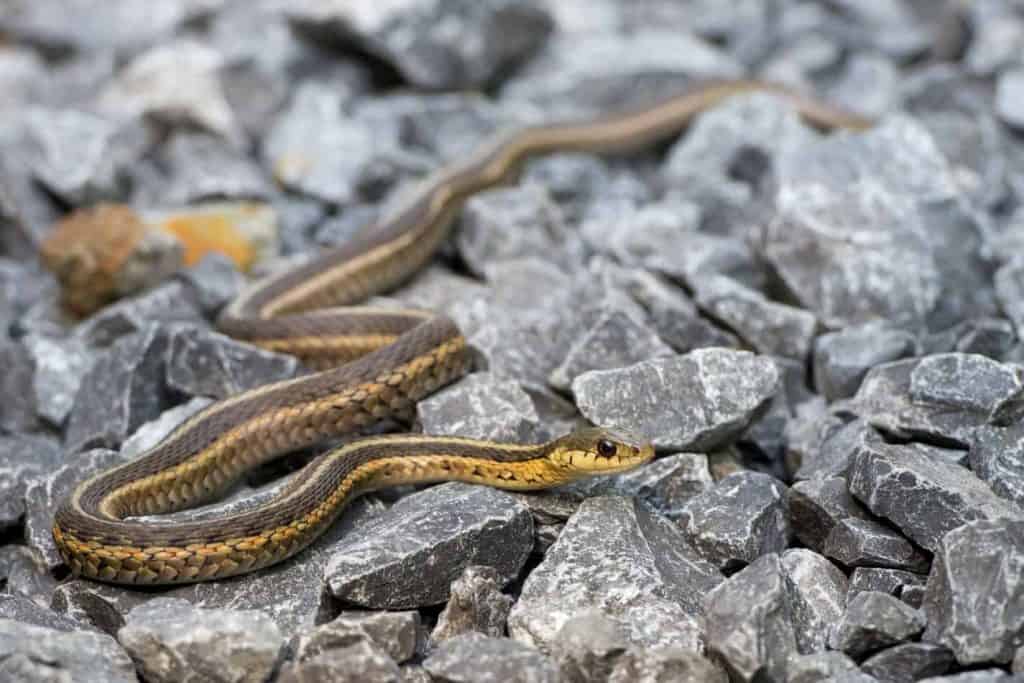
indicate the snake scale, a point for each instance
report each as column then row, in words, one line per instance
column 371, row 365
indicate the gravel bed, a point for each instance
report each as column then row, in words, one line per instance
column 821, row 331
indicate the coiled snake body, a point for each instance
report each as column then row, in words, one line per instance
column 374, row 364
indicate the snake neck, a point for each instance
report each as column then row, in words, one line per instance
column 530, row 474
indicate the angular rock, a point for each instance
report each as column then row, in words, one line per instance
column 520, row 353
column 923, row 496
column 107, row 251
column 818, row 667
column 576, row 180
column 314, row 148
column 997, row 37
column 629, row 564
column 175, row 82
column 122, row 25
column 550, row 511
column 26, row 574
column 476, row 605
column 18, row 412
column 835, row 241
column 215, row 281
column 205, row 363
column 405, row 35
column 768, row 327
column 868, row 85
column 663, row 664
column 758, row 121
column 530, row 289
column 513, row 223
column 991, row 337
column 394, row 633
column 742, row 518
column 591, row 644
column 1009, row 94
column 124, row 388
column 873, row 621
column 893, row 582
column 1009, row 281
column 34, row 653
column 43, row 497
column 60, row 365
column 973, row 597
column 818, row 594
column 883, row 400
column 816, row 506
column 449, row 528
column 481, row 406
column 660, row 398
column 970, row 382
column 245, row 230
column 169, row 303
column 913, row 595
column 672, row 314
column 22, row 71
column 449, row 124
column 841, row 359
column 24, row 460
column 640, row 235
column 666, row 484
column 360, row 662
column 339, row 229
column 605, row 71
column 997, row 457
column 80, row 157
column 857, row 676
column 199, row 166
column 171, row 640
column 439, row 289
column 26, row 611
column 808, row 427
column 25, row 210
column 472, row 657
column 749, row 620
column 909, row 662
column 979, row 676
column 614, row 340
column 866, row 543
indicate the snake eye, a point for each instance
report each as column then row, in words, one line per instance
column 605, row 448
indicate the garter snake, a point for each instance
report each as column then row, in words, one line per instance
column 372, row 365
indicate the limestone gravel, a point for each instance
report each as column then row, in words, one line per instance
column 476, row 605
column 973, row 596
column 691, row 402
column 837, row 310
column 873, row 621
column 742, row 518
column 170, row 640
column 449, row 527
column 923, row 496
column 626, row 562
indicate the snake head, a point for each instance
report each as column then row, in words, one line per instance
column 599, row 451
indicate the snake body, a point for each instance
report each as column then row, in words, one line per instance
column 373, row 365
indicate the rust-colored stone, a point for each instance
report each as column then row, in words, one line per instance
column 88, row 249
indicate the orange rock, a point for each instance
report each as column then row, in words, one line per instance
column 246, row 232
column 108, row 251
column 87, row 250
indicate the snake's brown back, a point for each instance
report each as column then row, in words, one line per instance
column 374, row 365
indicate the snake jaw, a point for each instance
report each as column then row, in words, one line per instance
column 599, row 451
